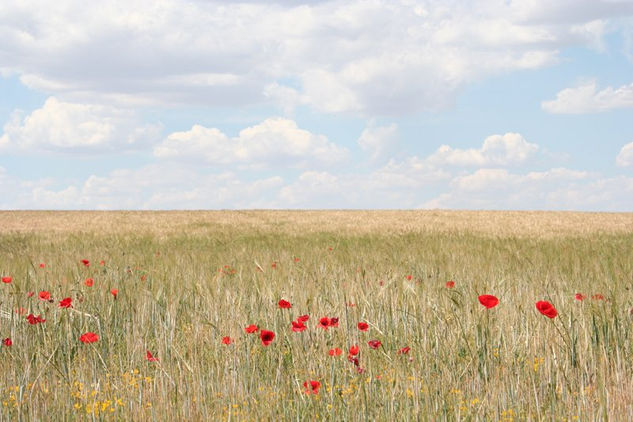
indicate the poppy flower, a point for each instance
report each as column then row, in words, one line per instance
column 85, row 262
column 312, row 387
column 296, row 259
column 404, row 351
column 267, row 337
column 597, row 296
column 6, row 279
column 150, row 357
column 42, row 265
column 363, row 326
column 226, row 340
column 273, row 265
column 303, row 318
column 298, row 326
column 89, row 337
column 114, row 292
column 409, row 277
column 546, row 308
column 44, row 295
column 89, row 282
column 374, row 344
column 324, row 323
column 450, row 284
column 30, row 294
column 353, row 351
column 335, row 352
column 102, row 262
column 7, row 342
column 489, row 301
column 251, row 329
column 333, row 322
column 284, row 304
column 66, row 303
column 580, row 296
column 32, row 319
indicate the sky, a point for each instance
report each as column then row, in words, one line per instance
column 370, row 104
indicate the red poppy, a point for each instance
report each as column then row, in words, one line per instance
column 226, row 340
column 150, row 357
column 353, row 351
column 251, row 329
column 450, row 284
column 363, row 326
column 6, row 279
column 324, row 323
column 546, row 308
column 7, row 342
column 89, row 282
column 298, row 326
column 404, row 351
column 296, row 259
column 89, row 337
column 303, row 318
column 374, row 344
column 409, row 277
column 284, row 304
column 351, row 304
column 30, row 294
column 114, row 292
column 580, row 296
column 597, row 296
column 66, row 303
column 42, row 265
column 44, row 295
column 489, row 301
column 333, row 322
column 335, row 352
column 267, row 337
column 312, row 387
column 274, row 265
column 102, row 262
column 85, row 262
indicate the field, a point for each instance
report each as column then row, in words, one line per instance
column 187, row 283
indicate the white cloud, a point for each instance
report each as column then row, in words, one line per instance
column 70, row 127
column 586, row 98
column 554, row 189
column 379, row 141
column 501, row 150
column 625, row 157
column 276, row 142
column 378, row 57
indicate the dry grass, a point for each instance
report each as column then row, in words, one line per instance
column 488, row 223
column 187, row 279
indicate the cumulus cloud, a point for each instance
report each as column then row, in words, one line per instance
column 554, row 189
column 379, row 57
column 586, row 98
column 625, row 157
column 379, row 141
column 70, row 127
column 274, row 142
column 501, row 150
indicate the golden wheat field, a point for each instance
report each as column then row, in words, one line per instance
column 316, row 315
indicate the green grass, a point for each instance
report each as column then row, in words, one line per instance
column 466, row 362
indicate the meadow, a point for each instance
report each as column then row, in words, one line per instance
column 144, row 315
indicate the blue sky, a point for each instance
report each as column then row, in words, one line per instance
column 192, row 104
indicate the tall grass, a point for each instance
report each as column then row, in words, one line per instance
column 181, row 291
